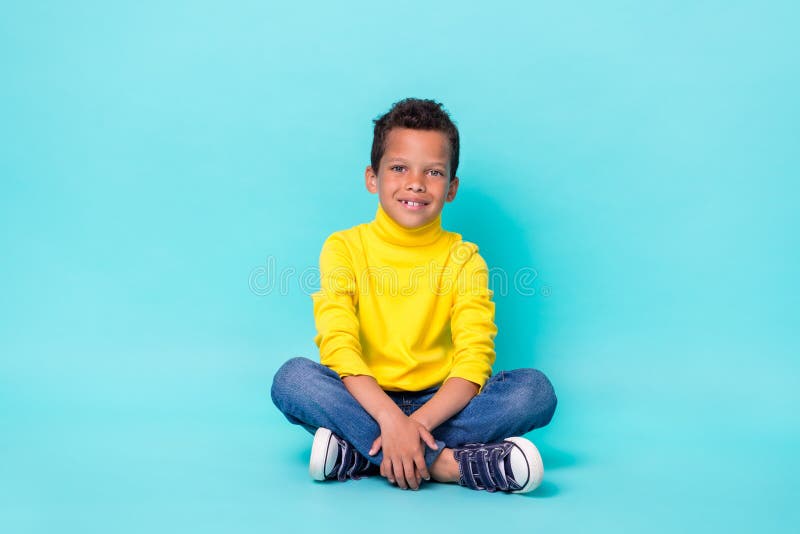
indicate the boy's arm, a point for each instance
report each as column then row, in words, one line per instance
column 335, row 315
column 472, row 321
column 451, row 398
column 473, row 330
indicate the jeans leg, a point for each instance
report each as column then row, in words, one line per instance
column 511, row 403
column 312, row 396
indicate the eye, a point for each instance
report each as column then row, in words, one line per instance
column 396, row 168
column 437, row 172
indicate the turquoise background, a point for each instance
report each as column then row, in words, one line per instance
column 156, row 157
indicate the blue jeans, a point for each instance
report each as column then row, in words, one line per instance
column 511, row 403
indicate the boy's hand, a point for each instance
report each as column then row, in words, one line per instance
column 402, row 442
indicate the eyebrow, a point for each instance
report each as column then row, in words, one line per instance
column 401, row 160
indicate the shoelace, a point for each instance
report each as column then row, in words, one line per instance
column 479, row 466
column 351, row 462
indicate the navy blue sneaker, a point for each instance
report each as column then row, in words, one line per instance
column 514, row 465
column 334, row 458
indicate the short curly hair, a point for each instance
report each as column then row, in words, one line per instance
column 417, row 114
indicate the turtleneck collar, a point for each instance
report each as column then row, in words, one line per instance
column 390, row 231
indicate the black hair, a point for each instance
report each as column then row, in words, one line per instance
column 417, row 114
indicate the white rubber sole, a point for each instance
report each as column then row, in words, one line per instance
column 319, row 453
column 535, row 465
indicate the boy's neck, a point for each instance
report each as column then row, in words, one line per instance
column 393, row 232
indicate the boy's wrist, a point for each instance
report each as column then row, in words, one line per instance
column 420, row 418
column 388, row 415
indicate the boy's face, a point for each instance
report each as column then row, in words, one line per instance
column 415, row 167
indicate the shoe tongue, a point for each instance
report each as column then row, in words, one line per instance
column 501, row 465
column 346, row 458
column 507, row 467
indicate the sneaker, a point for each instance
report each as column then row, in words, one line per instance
column 334, row 458
column 513, row 465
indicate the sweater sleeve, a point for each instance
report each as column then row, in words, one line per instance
column 335, row 316
column 472, row 322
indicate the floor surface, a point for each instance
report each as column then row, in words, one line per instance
column 153, row 449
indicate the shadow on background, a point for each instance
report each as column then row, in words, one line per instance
column 557, row 459
column 546, row 490
column 506, row 246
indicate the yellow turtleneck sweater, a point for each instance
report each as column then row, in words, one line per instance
column 409, row 307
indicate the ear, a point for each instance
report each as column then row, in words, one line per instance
column 371, row 180
column 452, row 189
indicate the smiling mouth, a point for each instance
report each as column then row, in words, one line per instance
column 414, row 204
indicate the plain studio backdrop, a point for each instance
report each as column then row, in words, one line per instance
column 169, row 171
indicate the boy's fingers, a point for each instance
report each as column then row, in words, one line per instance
column 411, row 475
column 429, row 440
column 386, row 470
column 422, row 469
column 376, row 446
column 399, row 475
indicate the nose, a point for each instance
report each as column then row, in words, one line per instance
column 415, row 182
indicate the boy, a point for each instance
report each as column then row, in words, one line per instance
column 405, row 330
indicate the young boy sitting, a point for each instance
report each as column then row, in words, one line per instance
column 405, row 330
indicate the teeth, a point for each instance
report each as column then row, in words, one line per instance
column 410, row 203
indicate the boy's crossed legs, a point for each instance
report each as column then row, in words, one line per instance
column 510, row 404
